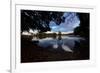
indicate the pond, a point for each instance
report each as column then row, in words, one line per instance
column 60, row 43
column 54, row 48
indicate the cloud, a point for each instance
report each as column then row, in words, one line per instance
column 71, row 22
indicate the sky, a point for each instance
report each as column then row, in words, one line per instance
column 71, row 21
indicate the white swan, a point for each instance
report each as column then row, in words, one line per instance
column 66, row 48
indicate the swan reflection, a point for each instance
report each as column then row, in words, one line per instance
column 60, row 45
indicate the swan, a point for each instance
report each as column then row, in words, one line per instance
column 66, row 48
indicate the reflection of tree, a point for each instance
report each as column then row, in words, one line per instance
column 82, row 49
column 60, row 46
column 59, row 41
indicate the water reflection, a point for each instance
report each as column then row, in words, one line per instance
column 57, row 43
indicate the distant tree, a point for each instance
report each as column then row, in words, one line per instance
column 59, row 33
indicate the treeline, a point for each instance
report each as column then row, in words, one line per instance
column 39, row 20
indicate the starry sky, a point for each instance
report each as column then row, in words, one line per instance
column 71, row 21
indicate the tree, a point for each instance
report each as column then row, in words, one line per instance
column 83, row 29
column 39, row 20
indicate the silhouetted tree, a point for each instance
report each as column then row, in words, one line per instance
column 39, row 20
column 83, row 29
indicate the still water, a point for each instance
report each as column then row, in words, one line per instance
column 60, row 43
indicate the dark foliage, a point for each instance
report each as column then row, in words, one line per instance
column 83, row 29
column 39, row 20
